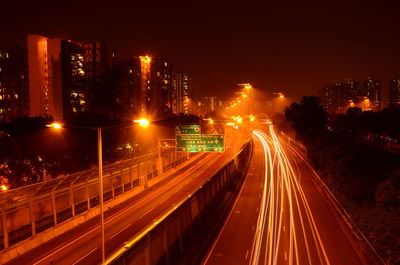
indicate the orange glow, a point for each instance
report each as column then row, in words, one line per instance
column 145, row 59
column 55, row 125
column 244, row 95
column 281, row 96
column 3, row 187
column 143, row 122
column 211, row 121
column 252, row 118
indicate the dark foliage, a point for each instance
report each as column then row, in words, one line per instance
column 364, row 176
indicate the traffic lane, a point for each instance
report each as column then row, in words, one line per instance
column 174, row 195
column 337, row 245
column 235, row 240
column 119, row 222
column 59, row 244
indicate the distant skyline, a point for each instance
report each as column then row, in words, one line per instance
column 295, row 48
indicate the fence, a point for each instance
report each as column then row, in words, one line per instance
column 32, row 209
column 165, row 240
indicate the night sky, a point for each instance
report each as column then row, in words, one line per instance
column 279, row 46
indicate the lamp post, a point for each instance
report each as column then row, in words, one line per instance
column 143, row 123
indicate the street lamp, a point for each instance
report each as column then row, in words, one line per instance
column 143, row 123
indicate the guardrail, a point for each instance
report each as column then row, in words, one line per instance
column 358, row 239
column 164, row 240
column 30, row 210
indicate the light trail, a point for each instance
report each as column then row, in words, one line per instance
column 284, row 205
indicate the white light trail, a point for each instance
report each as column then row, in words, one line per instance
column 284, row 204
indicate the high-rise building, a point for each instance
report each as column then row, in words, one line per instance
column 63, row 75
column 394, row 92
column 44, row 74
column 14, row 84
column 150, row 84
column 373, row 92
column 162, row 74
column 206, row 105
column 82, row 65
column 182, row 95
column 338, row 97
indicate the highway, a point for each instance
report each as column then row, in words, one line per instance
column 81, row 245
column 281, row 216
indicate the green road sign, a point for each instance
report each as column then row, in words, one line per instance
column 200, row 143
column 188, row 129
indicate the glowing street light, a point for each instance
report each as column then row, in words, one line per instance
column 143, row 122
column 55, row 125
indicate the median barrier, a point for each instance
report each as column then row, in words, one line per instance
column 170, row 238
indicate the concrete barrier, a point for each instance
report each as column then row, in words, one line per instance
column 168, row 238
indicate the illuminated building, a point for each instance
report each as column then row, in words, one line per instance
column 394, row 92
column 44, row 77
column 372, row 91
column 338, row 97
column 14, row 86
column 82, row 64
column 149, row 85
column 182, row 95
column 63, row 74
column 206, row 105
column 163, row 88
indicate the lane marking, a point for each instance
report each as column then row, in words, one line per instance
column 247, row 254
column 79, row 260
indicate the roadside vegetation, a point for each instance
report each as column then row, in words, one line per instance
column 357, row 157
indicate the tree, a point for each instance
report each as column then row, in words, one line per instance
column 308, row 118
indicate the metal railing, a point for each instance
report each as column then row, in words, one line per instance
column 32, row 209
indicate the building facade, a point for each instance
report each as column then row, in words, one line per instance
column 373, row 92
column 149, row 85
column 63, row 75
column 338, row 97
column 394, row 92
column 182, row 93
column 14, row 83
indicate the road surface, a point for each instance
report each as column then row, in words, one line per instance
column 281, row 216
column 81, row 245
